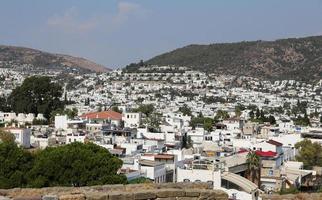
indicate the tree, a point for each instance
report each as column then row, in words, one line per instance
column 302, row 121
column 185, row 110
column 37, row 94
column 153, row 121
column 271, row 119
column 14, row 164
column 238, row 111
column 221, row 114
column 146, row 109
column 208, row 124
column 253, row 164
column 4, row 106
column 116, row 109
column 71, row 113
column 251, row 114
column 186, row 141
column 39, row 122
column 258, row 114
column 75, row 164
column 309, row 153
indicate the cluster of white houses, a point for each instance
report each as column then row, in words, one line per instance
column 217, row 157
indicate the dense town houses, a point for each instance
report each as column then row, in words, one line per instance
column 184, row 126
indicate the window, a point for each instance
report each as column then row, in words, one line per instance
column 270, row 172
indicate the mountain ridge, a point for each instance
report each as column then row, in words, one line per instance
column 42, row 59
column 292, row 58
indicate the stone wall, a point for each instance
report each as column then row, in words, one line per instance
column 300, row 196
column 169, row 191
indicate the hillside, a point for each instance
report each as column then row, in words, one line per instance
column 11, row 56
column 299, row 59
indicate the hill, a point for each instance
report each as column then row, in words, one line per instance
column 294, row 58
column 11, row 56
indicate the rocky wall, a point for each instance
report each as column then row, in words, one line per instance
column 169, row 191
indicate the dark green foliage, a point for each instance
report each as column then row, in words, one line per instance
column 260, row 117
column 302, row 121
column 251, row 114
column 206, row 122
column 140, row 180
column 291, row 190
column 185, row 110
column 222, row 115
column 37, row 94
column 71, row 113
column 116, row 109
column 153, row 121
column 300, row 107
column 132, row 67
column 253, row 165
column 298, row 59
column 309, row 153
column 146, row 109
column 212, row 99
column 4, row 105
column 14, row 164
column 75, row 164
column 186, row 141
column 39, row 122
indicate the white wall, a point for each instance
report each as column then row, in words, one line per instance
column 61, row 122
column 198, row 174
column 22, row 136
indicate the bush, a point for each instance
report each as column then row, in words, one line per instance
column 291, row 190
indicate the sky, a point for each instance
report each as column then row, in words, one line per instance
column 117, row 32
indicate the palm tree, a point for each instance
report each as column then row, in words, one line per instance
column 253, row 162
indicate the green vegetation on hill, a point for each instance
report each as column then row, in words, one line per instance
column 74, row 164
column 299, row 59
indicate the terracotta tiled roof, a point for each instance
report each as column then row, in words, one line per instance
column 103, row 115
column 266, row 153
column 273, row 142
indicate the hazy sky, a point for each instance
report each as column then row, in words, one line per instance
column 116, row 32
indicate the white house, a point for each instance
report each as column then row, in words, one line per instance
column 22, row 136
column 131, row 120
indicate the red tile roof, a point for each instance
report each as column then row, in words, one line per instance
column 266, row 153
column 242, row 151
column 273, row 142
column 103, row 115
